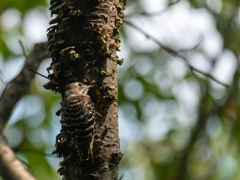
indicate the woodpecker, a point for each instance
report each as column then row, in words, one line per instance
column 79, row 117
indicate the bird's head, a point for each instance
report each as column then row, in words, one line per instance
column 77, row 88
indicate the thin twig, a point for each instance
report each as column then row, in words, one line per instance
column 36, row 152
column 158, row 13
column 193, row 48
column 2, row 78
column 177, row 54
column 39, row 74
column 4, row 82
column 19, row 149
column 121, row 177
column 23, row 49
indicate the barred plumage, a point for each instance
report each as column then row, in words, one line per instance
column 79, row 117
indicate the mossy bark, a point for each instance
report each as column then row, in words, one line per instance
column 82, row 43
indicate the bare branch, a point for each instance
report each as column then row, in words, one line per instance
column 19, row 86
column 11, row 168
column 177, row 54
column 39, row 74
column 193, row 48
column 23, row 49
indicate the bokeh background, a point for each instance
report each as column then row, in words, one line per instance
column 174, row 113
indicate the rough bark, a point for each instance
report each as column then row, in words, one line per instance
column 83, row 47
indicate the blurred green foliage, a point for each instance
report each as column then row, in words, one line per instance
column 174, row 123
column 23, row 6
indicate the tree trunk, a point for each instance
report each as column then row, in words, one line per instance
column 83, row 44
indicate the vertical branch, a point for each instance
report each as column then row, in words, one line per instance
column 205, row 109
column 201, row 122
column 83, row 44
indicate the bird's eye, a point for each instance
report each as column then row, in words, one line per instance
column 79, row 85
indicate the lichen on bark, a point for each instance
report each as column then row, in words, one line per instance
column 82, row 42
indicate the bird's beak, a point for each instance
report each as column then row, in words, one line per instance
column 90, row 86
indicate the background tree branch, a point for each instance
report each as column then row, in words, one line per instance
column 19, row 85
column 11, row 168
column 177, row 53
